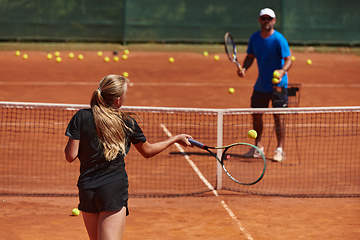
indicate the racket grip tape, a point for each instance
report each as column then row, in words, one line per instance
column 196, row 143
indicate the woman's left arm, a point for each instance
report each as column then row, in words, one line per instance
column 72, row 149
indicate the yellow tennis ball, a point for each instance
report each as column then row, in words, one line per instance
column 17, row 53
column 99, row 53
column 216, row 57
column 116, row 58
column 275, row 80
column 71, row 55
column 58, row 59
column 124, row 56
column 49, row 56
column 75, row 212
column 252, row 134
column 57, row 54
column 231, row 90
column 309, row 61
column 171, row 60
column 205, row 53
column 81, row 57
column 126, row 51
column 25, row 56
column 106, row 59
column 125, row 74
column 293, row 58
column 276, row 74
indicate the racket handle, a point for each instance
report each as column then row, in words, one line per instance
column 196, row 143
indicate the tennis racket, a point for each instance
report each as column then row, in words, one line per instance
column 239, row 166
column 230, row 50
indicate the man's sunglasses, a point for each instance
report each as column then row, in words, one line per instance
column 266, row 18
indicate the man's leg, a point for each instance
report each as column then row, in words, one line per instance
column 280, row 135
column 258, row 127
column 280, row 129
column 279, row 100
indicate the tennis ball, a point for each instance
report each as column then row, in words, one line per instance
column 106, row 59
column 57, row 54
column 293, row 58
column 124, row 56
column 99, row 53
column 125, row 74
column 49, row 56
column 58, row 59
column 231, row 90
column 252, row 134
column 275, row 80
column 171, row 60
column 71, row 55
column 276, row 74
column 216, row 57
column 309, row 61
column 126, row 51
column 17, row 53
column 205, row 53
column 81, row 57
column 116, row 58
column 75, row 212
column 25, row 56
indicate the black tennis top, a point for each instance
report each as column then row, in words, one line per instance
column 95, row 170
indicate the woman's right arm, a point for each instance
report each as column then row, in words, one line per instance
column 148, row 150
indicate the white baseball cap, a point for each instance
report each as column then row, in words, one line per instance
column 267, row 11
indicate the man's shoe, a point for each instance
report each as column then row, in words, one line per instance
column 254, row 153
column 279, row 155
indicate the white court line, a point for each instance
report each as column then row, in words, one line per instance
column 233, row 216
column 192, row 164
column 208, row 184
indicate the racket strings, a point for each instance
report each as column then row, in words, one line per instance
column 231, row 50
column 244, row 163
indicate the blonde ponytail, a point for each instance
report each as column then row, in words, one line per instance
column 110, row 122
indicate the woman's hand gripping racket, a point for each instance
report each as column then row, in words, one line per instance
column 230, row 50
column 244, row 163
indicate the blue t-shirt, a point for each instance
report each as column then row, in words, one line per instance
column 269, row 53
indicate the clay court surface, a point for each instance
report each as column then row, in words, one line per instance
column 191, row 81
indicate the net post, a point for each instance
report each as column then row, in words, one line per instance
column 220, row 120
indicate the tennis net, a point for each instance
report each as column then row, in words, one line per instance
column 322, row 153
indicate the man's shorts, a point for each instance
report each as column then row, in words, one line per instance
column 110, row 197
column 278, row 97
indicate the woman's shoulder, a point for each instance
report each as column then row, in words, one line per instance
column 131, row 121
column 84, row 113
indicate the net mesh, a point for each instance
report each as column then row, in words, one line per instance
column 322, row 154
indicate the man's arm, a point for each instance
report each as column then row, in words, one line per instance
column 286, row 67
column 248, row 61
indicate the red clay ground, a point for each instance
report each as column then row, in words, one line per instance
column 191, row 81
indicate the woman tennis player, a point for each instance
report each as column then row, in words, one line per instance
column 101, row 137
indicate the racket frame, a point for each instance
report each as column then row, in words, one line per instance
column 234, row 59
column 225, row 148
